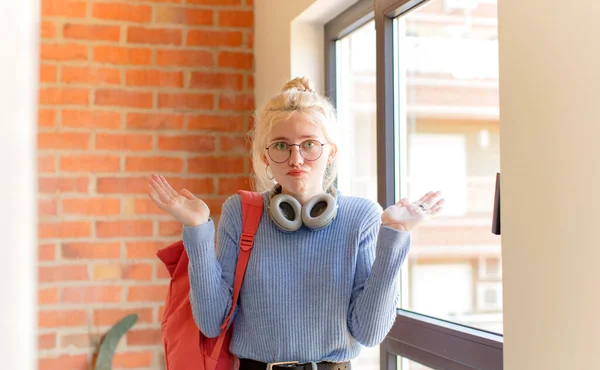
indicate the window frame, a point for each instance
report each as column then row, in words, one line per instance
column 429, row 341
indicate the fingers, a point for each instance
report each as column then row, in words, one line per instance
column 186, row 193
column 424, row 198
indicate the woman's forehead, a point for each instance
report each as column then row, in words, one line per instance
column 295, row 128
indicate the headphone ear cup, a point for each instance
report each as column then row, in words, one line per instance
column 285, row 211
column 319, row 211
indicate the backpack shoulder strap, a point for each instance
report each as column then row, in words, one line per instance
column 252, row 209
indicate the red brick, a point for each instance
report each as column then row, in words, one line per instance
column 185, row 58
column 63, row 362
column 122, row 12
column 154, row 121
column 46, row 118
column 145, row 207
column 236, row 102
column 47, row 30
column 144, row 249
column 186, row 143
column 214, row 38
column 91, row 206
column 66, row 8
column 250, row 40
column 144, row 337
column 48, row 296
column 86, row 340
column 215, row 204
column 107, row 250
column 237, row 60
column 212, row 164
column 47, row 341
column 91, row 119
column 106, row 272
column 151, row 293
column 146, row 35
column 236, row 18
column 137, row 271
column 228, row 186
column 123, row 98
column 185, row 101
column 63, row 52
column 162, row 272
column 153, row 164
column 47, row 252
column 234, row 144
column 90, row 163
column 91, row 294
column 90, row 75
column 46, row 163
column 52, row 185
column 222, row 81
column 47, row 207
column 154, row 78
column 184, row 16
column 91, row 32
column 122, row 185
column 64, row 96
column 53, row 274
column 124, row 142
column 110, row 316
column 62, row 318
column 48, row 73
column 133, row 360
column 64, row 229
column 217, row 123
column 214, row 2
column 169, row 228
column 123, row 228
column 250, row 81
column 120, row 55
column 63, row 140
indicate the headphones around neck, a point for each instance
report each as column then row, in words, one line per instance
column 289, row 215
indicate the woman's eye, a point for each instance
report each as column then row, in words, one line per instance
column 309, row 144
column 280, row 146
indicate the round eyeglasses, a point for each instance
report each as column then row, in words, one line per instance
column 280, row 151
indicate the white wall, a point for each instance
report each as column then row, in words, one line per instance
column 550, row 133
column 289, row 42
column 18, row 215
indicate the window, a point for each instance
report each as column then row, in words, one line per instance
column 416, row 83
column 356, row 104
column 446, row 68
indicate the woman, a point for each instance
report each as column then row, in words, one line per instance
column 322, row 279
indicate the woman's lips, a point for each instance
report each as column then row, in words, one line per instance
column 296, row 173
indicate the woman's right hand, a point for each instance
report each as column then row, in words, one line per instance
column 184, row 206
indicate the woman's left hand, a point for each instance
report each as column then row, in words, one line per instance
column 405, row 216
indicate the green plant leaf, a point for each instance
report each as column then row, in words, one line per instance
column 109, row 343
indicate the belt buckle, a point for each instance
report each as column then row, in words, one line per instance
column 271, row 364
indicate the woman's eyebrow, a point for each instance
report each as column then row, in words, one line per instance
column 281, row 138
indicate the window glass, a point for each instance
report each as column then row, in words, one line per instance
column 446, row 117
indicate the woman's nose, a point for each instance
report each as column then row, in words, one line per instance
column 295, row 157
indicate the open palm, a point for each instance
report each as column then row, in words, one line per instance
column 406, row 216
column 184, row 206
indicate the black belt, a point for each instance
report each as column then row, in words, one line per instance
column 247, row 364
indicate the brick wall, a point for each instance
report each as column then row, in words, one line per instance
column 128, row 88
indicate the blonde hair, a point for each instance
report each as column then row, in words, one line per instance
column 296, row 97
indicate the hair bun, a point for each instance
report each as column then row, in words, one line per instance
column 298, row 84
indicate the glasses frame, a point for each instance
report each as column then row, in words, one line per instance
column 299, row 150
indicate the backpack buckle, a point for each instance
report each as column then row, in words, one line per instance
column 246, row 241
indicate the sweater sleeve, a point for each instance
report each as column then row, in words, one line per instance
column 212, row 272
column 373, row 302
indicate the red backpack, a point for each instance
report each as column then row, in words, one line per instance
column 186, row 348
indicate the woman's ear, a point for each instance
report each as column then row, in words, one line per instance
column 332, row 153
column 265, row 160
